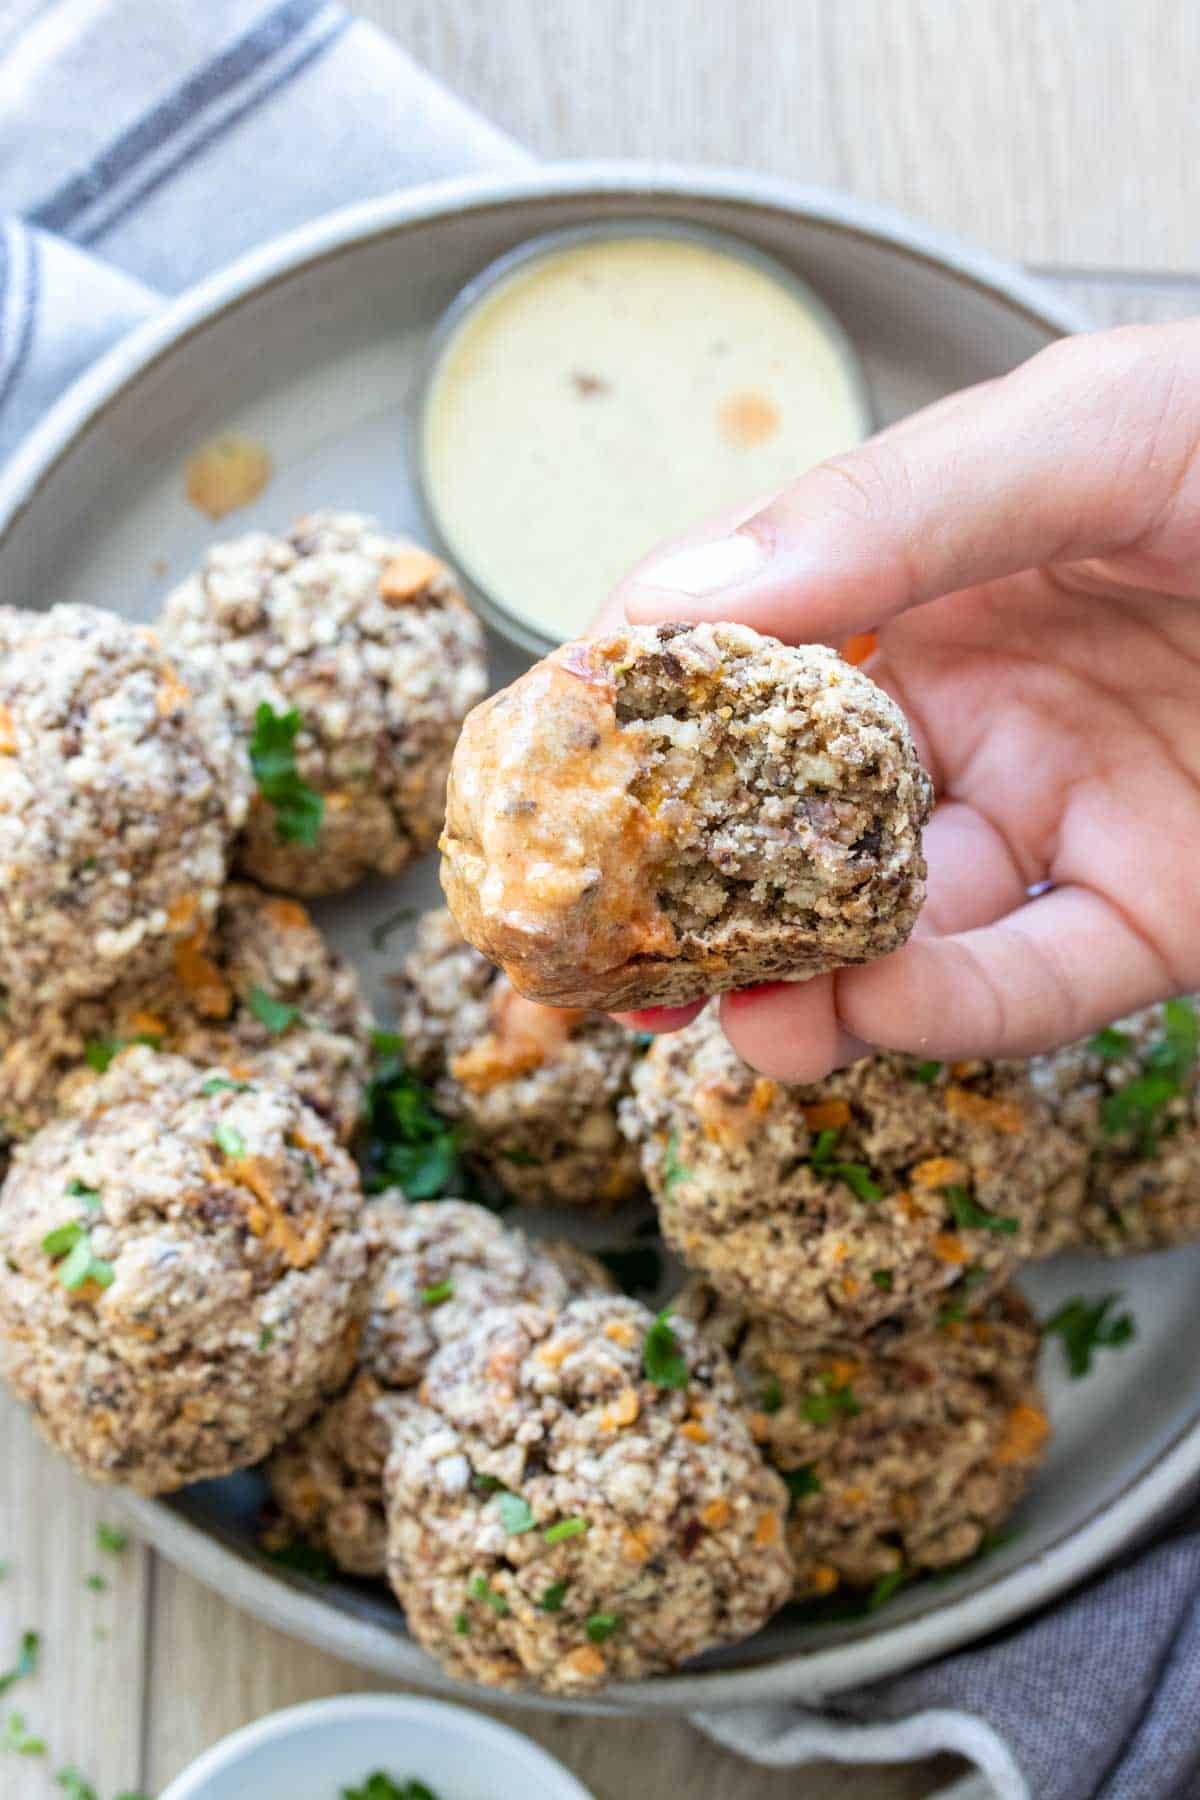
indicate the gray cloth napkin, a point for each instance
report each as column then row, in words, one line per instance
column 144, row 143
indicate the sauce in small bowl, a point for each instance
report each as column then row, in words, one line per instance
column 598, row 390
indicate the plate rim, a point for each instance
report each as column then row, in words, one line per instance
column 283, row 1602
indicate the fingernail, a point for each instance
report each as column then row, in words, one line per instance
column 706, row 568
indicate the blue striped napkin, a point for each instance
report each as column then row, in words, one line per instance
column 145, row 143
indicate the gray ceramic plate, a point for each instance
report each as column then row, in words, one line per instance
column 311, row 346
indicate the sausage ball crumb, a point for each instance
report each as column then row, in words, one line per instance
column 182, row 1272
column 363, row 649
column 435, row 1267
column 263, row 996
column 885, row 1191
column 903, row 1450
column 558, row 1517
column 537, row 1086
column 1130, row 1097
column 671, row 811
column 121, row 789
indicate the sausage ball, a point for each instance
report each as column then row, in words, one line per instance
column 905, row 1450
column 675, row 810
column 264, row 996
column 537, row 1086
column 882, row 1192
column 435, row 1267
column 1130, row 1096
column 576, row 1498
column 349, row 658
column 121, row 789
column 182, row 1272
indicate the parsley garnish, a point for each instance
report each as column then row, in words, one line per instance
column 886, row 1588
column 601, row 1626
column 565, row 1528
column 407, row 1141
column 74, row 1786
column 482, row 1589
column 100, row 1053
column 926, row 1072
column 516, row 1514
column 71, row 1247
column 299, row 809
column 26, row 1663
column 968, row 1215
column 673, row 1170
column 438, row 1294
column 884, row 1280
column 1110, row 1043
column 228, row 1141
column 96, row 1583
column 221, row 1084
column 305, row 1559
column 829, row 1400
column 275, row 1015
column 553, row 1597
column 462, row 1625
column 1086, row 1326
column 1166, row 1065
column 521, row 1159
column 381, row 1787
column 17, row 1739
column 855, row 1175
column 79, row 1190
column 802, row 1481
column 266, row 1338
column 772, row 1397
column 663, row 1362
column 112, row 1539
column 486, row 1484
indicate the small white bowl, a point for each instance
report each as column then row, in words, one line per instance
column 313, row 1752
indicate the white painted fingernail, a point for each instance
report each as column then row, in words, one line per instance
column 706, row 568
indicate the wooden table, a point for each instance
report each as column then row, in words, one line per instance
column 1060, row 132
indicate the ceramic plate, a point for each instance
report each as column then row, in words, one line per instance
column 311, row 347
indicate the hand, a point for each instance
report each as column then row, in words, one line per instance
column 1030, row 553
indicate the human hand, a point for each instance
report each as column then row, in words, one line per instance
column 1029, row 551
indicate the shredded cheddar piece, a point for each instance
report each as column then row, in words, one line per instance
column 748, row 418
column 843, row 1371
column 838, row 1251
column 716, row 1514
column 726, row 1117
column 853, row 1496
column 226, row 474
column 982, row 1109
column 146, row 1024
column 623, row 1411
column 850, row 1286
column 766, row 1530
column 691, row 1428
column 201, row 979
column 823, row 1578
column 621, row 1331
column 857, row 649
column 270, row 1223
column 523, row 1037
column 634, row 1547
column 172, row 696
column 585, row 1661
column 318, row 1152
column 287, row 915
column 1025, row 1431
column 948, row 1247
column 760, row 1427
column 409, row 573
column 940, row 1172
column 554, row 1355
column 826, row 1115
column 8, row 733
column 905, row 1507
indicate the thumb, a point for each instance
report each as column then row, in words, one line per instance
column 1079, row 453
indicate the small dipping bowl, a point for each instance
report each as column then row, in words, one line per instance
column 599, row 389
column 313, row 1752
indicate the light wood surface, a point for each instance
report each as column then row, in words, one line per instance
column 1052, row 130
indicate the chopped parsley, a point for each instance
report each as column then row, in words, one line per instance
column 404, row 915
column 74, row 1785
column 407, row 1141
column 828, row 1401
column 100, row 1053
column 968, row 1215
column 522, row 1159
column 884, row 1280
column 1110, row 1043
column 482, row 1589
column 486, row 1484
column 275, row 1015
column 601, row 1626
column 79, row 1190
column 71, row 1247
column 663, row 1362
column 954, row 1310
column 854, row 1175
column 299, row 809
column 266, row 1338
column 1167, row 1064
column 26, row 1663
column 96, row 1584
column 221, row 1084
column 381, row 1787
column 228, row 1141
column 112, row 1539
column 926, row 1072
column 673, row 1170
column 771, row 1398
column 565, row 1528
column 1086, row 1326
column 553, row 1597
column 305, row 1559
column 17, row 1739
column 802, row 1481
column 438, row 1294
column 886, row 1588
column 516, row 1514
column 462, row 1625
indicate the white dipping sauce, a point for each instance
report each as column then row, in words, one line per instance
column 610, row 394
